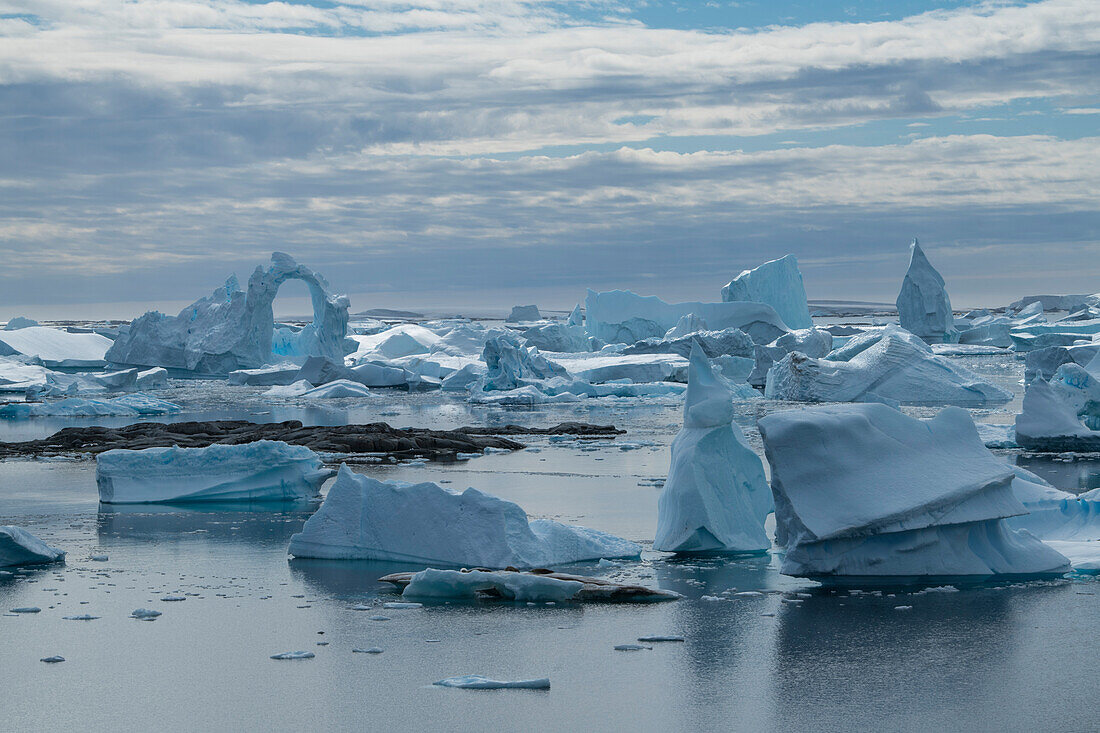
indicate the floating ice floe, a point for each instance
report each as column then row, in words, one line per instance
column 864, row 492
column 265, row 470
column 366, row 519
column 55, row 348
column 233, row 329
column 433, row 583
column 716, row 496
column 145, row 614
column 20, row 547
column 336, row 389
column 620, row 316
column 896, row 368
column 477, row 682
column 923, row 306
column 1064, row 413
column 777, row 283
column 131, row 405
column 293, row 655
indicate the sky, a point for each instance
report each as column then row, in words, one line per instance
column 481, row 153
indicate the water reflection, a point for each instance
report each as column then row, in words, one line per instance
column 1077, row 476
column 262, row 524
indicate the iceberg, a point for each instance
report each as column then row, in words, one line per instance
column 1064, row 413
column 620, row 316
column 265, row 470
column 897, row 368
column 509, row 364
column 864, row 492
column 366, row 519
column 433, row 583
column 727, row 342
column 20, row 547
column 233, row 329
column 716, row 496
column 55, row 348
column 1043, row 363
column 777, row 283
column 1055, row 302
column 521, row 313
column 811, row 342
column 131, row 405
column 479, row 682
column 1054, row 514
column 19, row 322
column 923, row 306
column 336, row 389
column 567, row 337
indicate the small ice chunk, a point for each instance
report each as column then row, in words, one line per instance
column 145, row 614
column 173, row 598
column 478, row 682
column 81, row 617
column 52, row 660
column 372, row 650
column 630, row 647
column 27, row 609
column 654, row 639
column 293, row 655
column 401, row 605
column 99, row 558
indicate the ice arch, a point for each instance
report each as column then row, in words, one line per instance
column 232, row 329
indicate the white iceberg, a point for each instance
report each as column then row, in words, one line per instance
column 479, row 682
column 435, row 583
column 1043, row 363
column 233, row 329
column 1054, row 514
column 265, row 470
column 777, row 283
column 620, row 316
column 1062, row 414
column 811, row 342
column 20, row 547
column 55, row 348
column 366, row 519
column 923, row 305
column 865, row 492
column 897, row 368
column 509, row 364
column 716, row 496
column 19, row 322
column 727, row 342
column 338, row 388
column 131, row 405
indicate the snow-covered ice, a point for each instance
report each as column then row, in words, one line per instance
column 363, row 518
column 896, row 368
column 1064, row 413
column 864, row 491
column 56, row 348
column 20, row 547
column 265, row 470
column 716, row 496
column 777, row 283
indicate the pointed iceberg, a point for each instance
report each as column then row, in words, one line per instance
column 366, row 519
column 777, row 283
column 716, row 496
column 864, row 492
column 923, row 305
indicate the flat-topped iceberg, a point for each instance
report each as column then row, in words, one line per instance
column 55, row 348
column 716, row 496
column 20, row 547
column 1064, row 413
column 898, row 367
column 777, row 283
column 521, row 313
column 130, row 405
column 449, row 584
column 232, row 329
column 620, row 316
column 265, row 470
column 923, row 305
column 366, row 519
column 865, row 492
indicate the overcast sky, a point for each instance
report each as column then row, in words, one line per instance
column 454, row 153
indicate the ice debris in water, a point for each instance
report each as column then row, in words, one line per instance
column 478, row 682
column 293, row 655
column 81, row 617
column 401, row 605
column 52, row 660
column 145, row 614
column 264, row 470
column 865, row 491
column 655, row 639
column 363, row 518
column 20, row 547
column 372, row 650
column 27, row 609
column 716, row 496
column 630, row 647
